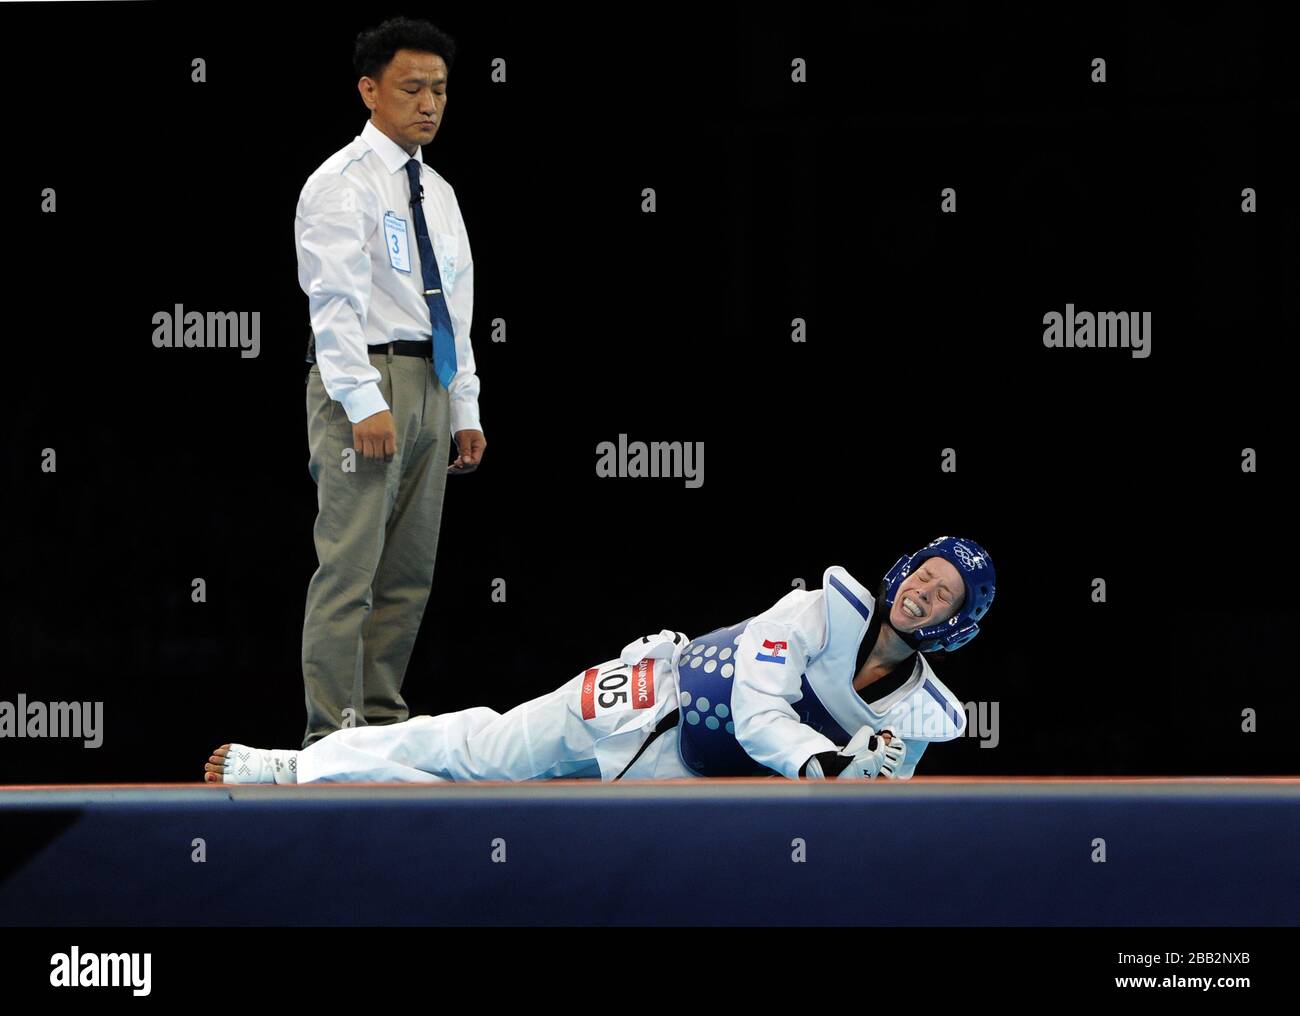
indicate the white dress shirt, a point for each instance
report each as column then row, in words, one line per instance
column 355, row 296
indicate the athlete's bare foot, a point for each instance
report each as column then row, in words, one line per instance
column 238, row 763
column 216, row 765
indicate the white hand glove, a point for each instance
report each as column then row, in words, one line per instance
column 872, row 756
column 664, row 645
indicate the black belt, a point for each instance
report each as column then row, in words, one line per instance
column 667, row 723
column 403, row 347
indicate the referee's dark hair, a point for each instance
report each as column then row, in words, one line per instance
column 376, row 46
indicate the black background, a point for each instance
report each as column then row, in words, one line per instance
column 775, row 200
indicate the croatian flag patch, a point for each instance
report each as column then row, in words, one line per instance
column 775, row 651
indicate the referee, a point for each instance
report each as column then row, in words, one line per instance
column 385, row 261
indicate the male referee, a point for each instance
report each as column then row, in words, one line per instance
column 385, row 261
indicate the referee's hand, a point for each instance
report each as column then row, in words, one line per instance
column 471, row 445
column 375, row 437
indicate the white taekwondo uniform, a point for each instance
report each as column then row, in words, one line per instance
column 779, row 671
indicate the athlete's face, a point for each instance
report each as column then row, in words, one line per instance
column 409, row 98
column 935, row 589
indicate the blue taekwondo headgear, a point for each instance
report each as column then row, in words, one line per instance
column 976, row 569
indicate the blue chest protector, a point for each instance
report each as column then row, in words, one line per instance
column 706, row 735
column 926, row 710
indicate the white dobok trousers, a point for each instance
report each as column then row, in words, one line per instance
column 589, row 728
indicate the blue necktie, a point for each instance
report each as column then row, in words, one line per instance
column 444, row 338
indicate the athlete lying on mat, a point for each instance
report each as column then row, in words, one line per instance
column 782, row 693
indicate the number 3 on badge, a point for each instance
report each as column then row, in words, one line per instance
column 399, row 253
